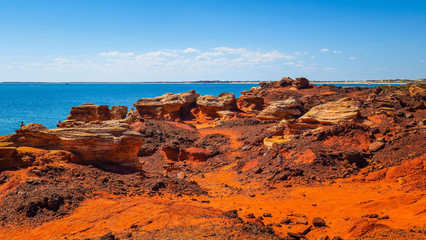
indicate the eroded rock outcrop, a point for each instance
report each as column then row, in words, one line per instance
column 250, row 103
column 168, row 106
column 301, row 83
column 118, row 112
column 90, row 112
column 108, row 141
column 278, row 110
column 210, row 105
column 333, row 112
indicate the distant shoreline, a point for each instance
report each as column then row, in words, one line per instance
column 390, row 81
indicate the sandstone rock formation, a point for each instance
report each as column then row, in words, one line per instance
column 281, row 110
column 286, row 81
column 226, row 115
column 109, row 141
column 118, row 112
column 89, row 112
column 168, row 106
column 301, row 83
column 210, row 105
column 333, row 112
column 250, row 103
column 418, row 90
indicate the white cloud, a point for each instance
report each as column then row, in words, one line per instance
column 191, row 50
column 188, row 63
column 116, row 54
column 306, row 53
column 208, row 55
column 313, row 57
column 325, row 50
column 422, row 61
column 241, row 51
column 298, row 53
column 338, row 52
column 62, row 60
column 159, row 53
column 352, row 58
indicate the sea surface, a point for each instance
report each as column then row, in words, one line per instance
column 48, row 103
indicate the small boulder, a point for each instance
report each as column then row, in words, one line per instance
column 301, row 221
column 318, row 222
column 231, row 214
column 286, row 81
column 267, row 215
column 301, row 83
column 285, row 221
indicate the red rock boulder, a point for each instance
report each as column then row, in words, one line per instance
column 210, row 105
column 168, row 106
column 301, row 83
column 90, row 112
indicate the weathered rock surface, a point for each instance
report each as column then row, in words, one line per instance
column 333, row 112
column 109, row 141
column 118, row 112
column 286, row 81
column 417, row 90
column 168, row 106
column 281, row 110
column 250, row 103
column 301, row 83
column 226, row 115
column 90, row 112
column 210, row 105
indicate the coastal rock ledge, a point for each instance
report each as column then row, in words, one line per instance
column 95, row 142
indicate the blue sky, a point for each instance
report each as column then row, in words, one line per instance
column 211, row 40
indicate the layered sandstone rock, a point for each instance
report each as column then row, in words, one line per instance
column 226, row 115
column 109, row 141
column 250, row 103
column 118, row 112
column 168, row 106
column 210, row 105
column 417, row 90
column 279, row 110
column 90, row 112
column 175, row 153
column 333, row 112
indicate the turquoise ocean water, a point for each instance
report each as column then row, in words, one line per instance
column 49, row 103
